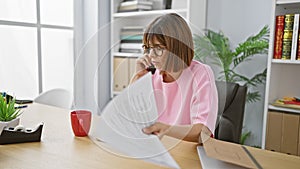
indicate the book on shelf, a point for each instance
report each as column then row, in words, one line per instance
column 131, row 39
column 295, row 37
column 279, row 26
column 130, row 50
column 133, row 27
column 132, row 32
column 288, row 102
column 131, row 46
column 131, row 36
column 287, row 36
column 134, row 2
column 298, row 50
column 135, row 8
column 137, row 5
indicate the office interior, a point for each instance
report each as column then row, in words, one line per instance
column 70, row 48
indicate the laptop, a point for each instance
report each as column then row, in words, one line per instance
column 212, row 163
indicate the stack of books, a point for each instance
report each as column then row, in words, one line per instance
column 135, row 5
column 287, row 39
column 288, row 102
column 131, row 39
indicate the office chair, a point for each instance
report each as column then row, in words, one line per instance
column 56, row 97
column 232, row 99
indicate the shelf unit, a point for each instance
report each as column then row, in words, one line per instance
column 282, row 75
column 194, row 11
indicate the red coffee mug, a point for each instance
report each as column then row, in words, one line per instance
column 81, row 122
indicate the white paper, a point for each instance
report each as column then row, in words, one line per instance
column 121, row 123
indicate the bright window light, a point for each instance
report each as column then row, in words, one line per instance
column 18, row 10
column 57, row 12
column 19, row 66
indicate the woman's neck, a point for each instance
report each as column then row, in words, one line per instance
column 169, row 77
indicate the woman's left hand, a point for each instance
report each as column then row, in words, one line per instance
column 159, row 129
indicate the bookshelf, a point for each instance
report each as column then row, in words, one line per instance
column 282, row 80
column 122, row 64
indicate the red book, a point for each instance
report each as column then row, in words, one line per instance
column 279, row 27
column 292, row 102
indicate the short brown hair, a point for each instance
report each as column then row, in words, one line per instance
column 172, row 31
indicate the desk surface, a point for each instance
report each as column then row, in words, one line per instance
column 60, row 149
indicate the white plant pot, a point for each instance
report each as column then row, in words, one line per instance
column 12, row 123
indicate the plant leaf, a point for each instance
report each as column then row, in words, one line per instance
column 244, row 137
column 259, row 78
column 253, row 97
column 7, row 110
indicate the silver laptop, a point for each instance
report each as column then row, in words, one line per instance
column 211, row 163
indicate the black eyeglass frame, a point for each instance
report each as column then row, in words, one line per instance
column 158, row 50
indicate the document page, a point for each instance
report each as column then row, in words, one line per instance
column 122, row 120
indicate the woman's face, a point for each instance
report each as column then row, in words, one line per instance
column 157, row 53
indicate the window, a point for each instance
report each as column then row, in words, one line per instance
column 36, row 46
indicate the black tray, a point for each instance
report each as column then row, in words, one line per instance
column 9, row 136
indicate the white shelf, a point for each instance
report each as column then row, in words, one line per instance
column 271, row 107
column 147, row 13
column 289, row 6
column 281, row 2
column 282, row 76
column 286, row 61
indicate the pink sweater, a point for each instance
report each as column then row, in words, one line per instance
column 191, row 99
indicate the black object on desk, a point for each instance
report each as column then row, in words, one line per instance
column 18, row 101
column 10, row 135
column 23, row 101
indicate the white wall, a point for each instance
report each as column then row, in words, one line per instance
column 238, row 19
column 92, row 65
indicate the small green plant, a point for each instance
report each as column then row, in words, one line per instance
column 244, row 137
column 7, row 110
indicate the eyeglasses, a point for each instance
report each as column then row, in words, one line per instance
column 158, row 51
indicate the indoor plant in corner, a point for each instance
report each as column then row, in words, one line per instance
column 9, row 116
column 214, row 48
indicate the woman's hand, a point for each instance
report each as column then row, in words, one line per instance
column 185, row 132
column 142, row 63
column 159, row 129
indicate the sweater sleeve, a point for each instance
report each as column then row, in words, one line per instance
column 204, row 105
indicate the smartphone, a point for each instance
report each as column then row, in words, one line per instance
column 151, row 69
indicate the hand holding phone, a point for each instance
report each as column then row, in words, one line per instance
column 151, row 69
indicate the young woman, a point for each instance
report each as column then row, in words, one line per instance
column 185, row 89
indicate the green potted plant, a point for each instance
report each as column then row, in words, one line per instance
column 8, row 113
column 217, row 47
column 214, row 48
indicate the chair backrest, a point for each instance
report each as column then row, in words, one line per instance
column 232, row 99
column 56, row 97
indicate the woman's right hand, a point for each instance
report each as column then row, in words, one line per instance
column 142, row 63
column 141, row 66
